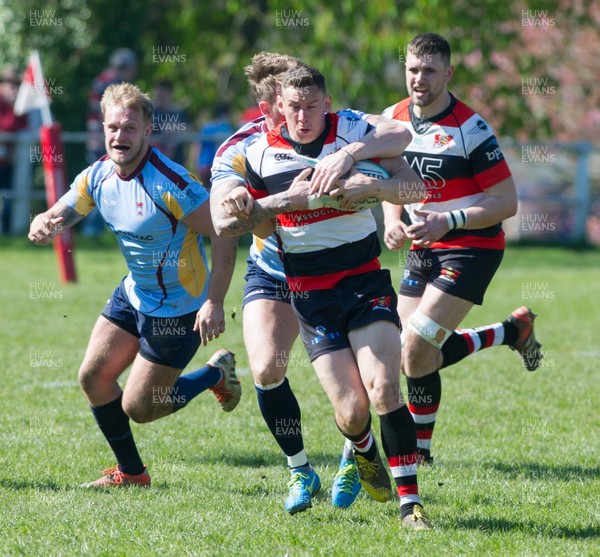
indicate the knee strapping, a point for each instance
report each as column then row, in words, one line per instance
column 428, row 329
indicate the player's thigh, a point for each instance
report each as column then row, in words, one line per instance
column 110, row 351
column 340, row 378
column 270, row 329
column 444, row 308
column 406, row 307
column 420, row 264
column 377, row 350
column 149, row 389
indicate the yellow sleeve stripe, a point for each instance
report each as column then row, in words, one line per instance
column 173, row 205
column 84, row 203
column 192, row 268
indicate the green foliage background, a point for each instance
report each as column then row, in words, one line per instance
column 356, row 44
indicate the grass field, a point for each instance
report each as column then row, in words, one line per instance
column 516, row 454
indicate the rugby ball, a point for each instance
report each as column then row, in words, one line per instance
column 372, row 169
column 366, row 167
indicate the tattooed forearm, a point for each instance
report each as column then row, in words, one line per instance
column 70, row 215
column 263, row 210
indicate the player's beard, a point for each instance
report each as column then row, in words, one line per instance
column 427, row 99
column 432, row 94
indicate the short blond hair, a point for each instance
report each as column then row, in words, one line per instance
column 127, row 95
column 264, row 72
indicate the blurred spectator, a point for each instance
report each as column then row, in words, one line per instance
column 249, row 114
column 122, row 66
column 212, row 134
column 9, row 122
column 168, row 121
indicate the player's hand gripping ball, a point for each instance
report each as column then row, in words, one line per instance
column 366, row 167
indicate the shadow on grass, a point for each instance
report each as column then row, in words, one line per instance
column 238, row 459
column 39, row 485
column 534, row 471
column 501, row 525
column 249, row 460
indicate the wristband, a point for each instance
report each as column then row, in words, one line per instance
column 456, row 219
column 349, row 153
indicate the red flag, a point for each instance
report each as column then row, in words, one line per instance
column 33, row 93
column 56, row 186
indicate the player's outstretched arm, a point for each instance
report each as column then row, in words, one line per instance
column 45, row 226
column 233, row 209
column 388, row 138
column 259, row 220
column 402, row 187
column 224, row 219
column 210, row 320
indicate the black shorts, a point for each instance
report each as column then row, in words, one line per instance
column 168, row 341
column 464, row 273
column 260, row 285
column 327, row 316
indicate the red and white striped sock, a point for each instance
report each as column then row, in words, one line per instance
column 364, row 442
column 464, row 342
column 424, row 395
column 482, row 337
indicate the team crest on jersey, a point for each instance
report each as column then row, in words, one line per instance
column 441, row 140
column 383, row 302
column 449, row 274
column 139, row 208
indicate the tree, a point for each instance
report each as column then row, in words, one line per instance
column 498, row 48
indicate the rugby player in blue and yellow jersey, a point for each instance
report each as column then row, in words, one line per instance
column 169, row 302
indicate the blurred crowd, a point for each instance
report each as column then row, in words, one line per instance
column 9, row 122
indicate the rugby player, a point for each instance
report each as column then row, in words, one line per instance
column 168, row 304
column 456, row 233
column 270, row 326
column 344, row 301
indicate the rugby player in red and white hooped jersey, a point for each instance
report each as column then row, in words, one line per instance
column 456, row 233
column 344, row 301
column 270, row 326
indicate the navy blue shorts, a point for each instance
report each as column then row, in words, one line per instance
column 464, row 273
column 327, row 316
column 260, row 285
column 168, row 341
